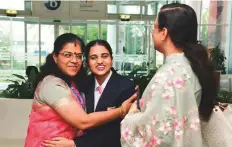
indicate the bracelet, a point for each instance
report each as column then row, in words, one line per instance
column 122, row 111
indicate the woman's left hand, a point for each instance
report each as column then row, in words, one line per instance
column 134, row 108
column 58, row 142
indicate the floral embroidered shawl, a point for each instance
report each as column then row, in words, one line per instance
column 169, row 109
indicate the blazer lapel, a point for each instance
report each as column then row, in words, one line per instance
column 109, row 94
column 90, row 96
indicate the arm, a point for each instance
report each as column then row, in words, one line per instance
column 79, row 119
column 170, row 117
column 59, row 97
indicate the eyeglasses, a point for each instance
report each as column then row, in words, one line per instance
column 70, row 55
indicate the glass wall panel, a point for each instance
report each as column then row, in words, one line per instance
column 47, row 40
column 33, row 44
column 79, row 30
column 5, row 44
column 131, row 49
column 18, row 45
column 64, row 29
column 5, row 53
column 112, row 8
column 12, row 50
column 153, row 7
column 108, row 33
column 212, row 35
column 92, row 32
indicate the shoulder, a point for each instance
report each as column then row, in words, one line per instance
column 173, row 71
column 124, row 81
column 51, row 80
column 52, row 89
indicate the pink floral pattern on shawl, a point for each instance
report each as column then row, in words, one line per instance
column 169, row 110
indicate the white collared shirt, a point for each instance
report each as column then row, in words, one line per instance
column 97, row 95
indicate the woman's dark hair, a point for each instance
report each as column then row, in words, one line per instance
column 97, row 42
column 30, row 68
column 180, row 20
column 51, row 68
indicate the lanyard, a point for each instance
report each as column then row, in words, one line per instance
column 79, row 97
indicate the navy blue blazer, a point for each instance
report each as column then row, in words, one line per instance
column 117, row 90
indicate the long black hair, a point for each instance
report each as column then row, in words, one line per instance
column 181, row 22
column 51, row 68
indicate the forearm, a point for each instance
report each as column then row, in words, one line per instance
column 99, row 118
column 83, row 121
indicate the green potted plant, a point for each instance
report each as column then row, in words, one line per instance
column 19, row 88
column 224, row 97
column 218, row 58
column 141, row 79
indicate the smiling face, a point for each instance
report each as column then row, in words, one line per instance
column 99, row 60
column 69, row 59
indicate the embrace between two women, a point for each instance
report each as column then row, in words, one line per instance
column 178, row 97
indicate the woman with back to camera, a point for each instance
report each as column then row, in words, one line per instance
column 58, row 107
column 180, row 94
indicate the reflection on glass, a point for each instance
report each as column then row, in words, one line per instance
column 152, row 8
column 5, row 45
column 64, row 29
column 12, row 50
column 18, row 45
column 92, row 32
column 33, row 44
column 131, row 51
column 47, row 40
column 132, row 37
column 108, row 33
column 212, row 35
column 79, row 31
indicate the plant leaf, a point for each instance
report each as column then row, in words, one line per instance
column 15, row 82
column 19, row 76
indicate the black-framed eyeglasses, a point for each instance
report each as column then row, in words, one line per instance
column 70, row 55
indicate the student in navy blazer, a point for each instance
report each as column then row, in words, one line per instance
column 114, row 90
